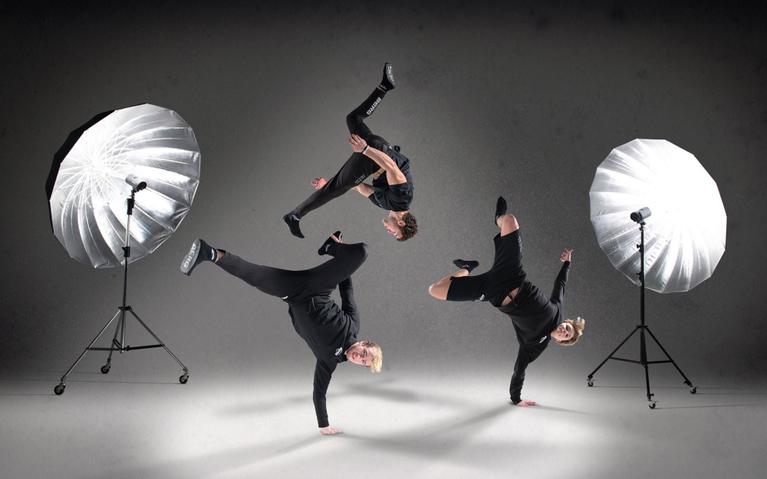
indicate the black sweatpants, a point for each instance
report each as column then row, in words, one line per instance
column 293, row 286
column 357, row 167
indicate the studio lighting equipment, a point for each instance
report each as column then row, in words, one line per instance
column 682, row 227
column 119, row 187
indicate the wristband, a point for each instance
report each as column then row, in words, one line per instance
column 364, row 149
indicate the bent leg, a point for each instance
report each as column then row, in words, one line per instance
column 353, row 172
column 439, row 289
column 272, row 281
column 356, row 124
column 325, row 277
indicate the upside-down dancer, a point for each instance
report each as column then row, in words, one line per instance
column 536, row 317
column 331, row 332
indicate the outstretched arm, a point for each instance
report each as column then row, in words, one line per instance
column 518, row 378
column 558, row 293
column 322, row 374
column 394, row 175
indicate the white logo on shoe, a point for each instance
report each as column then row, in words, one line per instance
column 284, row 297
column 339, row 351
column 190, row 255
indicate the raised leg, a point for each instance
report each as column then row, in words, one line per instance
column 439, row 289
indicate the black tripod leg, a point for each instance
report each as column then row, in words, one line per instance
column 186, row 370
column 113, row 346
column 611, row 354
column 60, row 387
column 693, row 389
column 643, row 362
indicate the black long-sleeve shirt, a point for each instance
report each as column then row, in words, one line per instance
column 329, row 331
column 534, row 317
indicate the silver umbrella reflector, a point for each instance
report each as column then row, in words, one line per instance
column 686, row 232
column 87, row 188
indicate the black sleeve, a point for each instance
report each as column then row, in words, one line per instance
column 525, row 356
column 377, row 197
column 322, row 374
column 518, row 378
column 558, row 293
column 347, row 302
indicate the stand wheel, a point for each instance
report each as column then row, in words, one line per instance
column 105, row 368
column 651, row 404
column 183, row 378
column 59, row 389
column 590, row 382
column 693, row 390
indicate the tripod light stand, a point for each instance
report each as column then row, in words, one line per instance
column 86, row 189
column 679, row 247
column 122, row 311
column 639, row 217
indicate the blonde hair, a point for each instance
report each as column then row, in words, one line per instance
column 578, row 325
column 376, row 360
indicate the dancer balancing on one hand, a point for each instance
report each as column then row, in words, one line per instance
column 536, row 317
column 392, row 186
column 329, row 331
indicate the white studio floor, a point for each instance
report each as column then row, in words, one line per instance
column 395, row 426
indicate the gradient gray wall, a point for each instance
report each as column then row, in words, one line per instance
column 520, row 100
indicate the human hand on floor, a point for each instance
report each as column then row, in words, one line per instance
column 357, row 143
column 330, row 431
column 526, row 403
column 567, row 255
column 319, row 182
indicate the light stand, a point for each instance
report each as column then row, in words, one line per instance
column 120, row 345
column 639, row 217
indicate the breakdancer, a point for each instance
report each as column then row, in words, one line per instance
column 536, row 318
column 330, row 331
column 392, row 185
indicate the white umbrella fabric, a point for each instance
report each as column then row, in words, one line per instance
column 685, row 235
column 87, row 187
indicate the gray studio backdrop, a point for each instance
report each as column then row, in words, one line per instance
column 523, row 100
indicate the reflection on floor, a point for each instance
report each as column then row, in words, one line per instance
column 394, row 425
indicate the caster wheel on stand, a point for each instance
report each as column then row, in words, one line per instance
column 59, row 389
column 105, row 368
column 651, row 404
column 693, row 390
column 590, row 382
column 183, row 378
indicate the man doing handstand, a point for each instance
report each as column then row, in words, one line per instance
column 329, row 331
column 536, row 318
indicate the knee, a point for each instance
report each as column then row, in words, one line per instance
column 508, row 222
column 352, row 121
column 438, row 291
column 362, row 251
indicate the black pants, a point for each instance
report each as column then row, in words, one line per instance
column 292, row 286
column 357, row 167
column 505, row 275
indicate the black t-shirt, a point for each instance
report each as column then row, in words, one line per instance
column 394, row 197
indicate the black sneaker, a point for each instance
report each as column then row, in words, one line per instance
column 387, row 83
column 466, row 264
column 199, row 252
column 292, row 221
column 328, row 245
column 500, row 209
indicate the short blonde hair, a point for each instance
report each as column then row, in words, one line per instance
column 578, row 325
column 376, row 360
